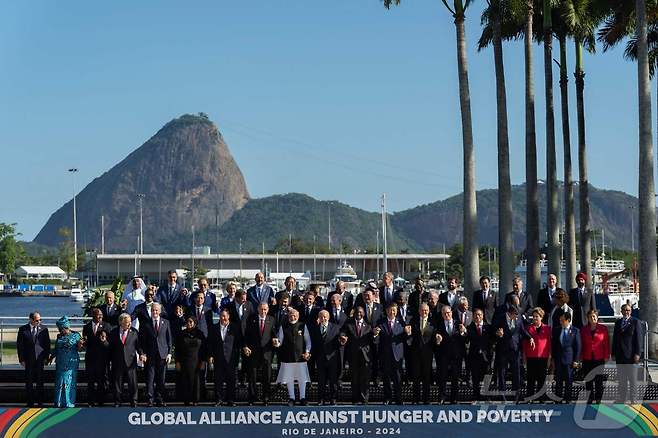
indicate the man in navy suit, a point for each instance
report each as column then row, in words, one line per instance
column 347, row 299
column 509, row 332
column 172, row 294
column 387, row 290
column 451, row 337
column 421, row 344
column 33, row 347
column 110, row 310
column 325, row 349
column 308, row 312
column 478, row 337
column 125, row 346
column 258, row 348
column 210, row 302
column 225, row 344
column 337, row 314
column 626, row 347
column 546, row 297
column 96, row 360
column 373, row 316
column 485, row 299
column 565, row 346
column 261, row 292
column 390, row 337
column 157, row 343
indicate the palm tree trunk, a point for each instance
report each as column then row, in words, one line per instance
column 569, row 218
column 647, row 197
column 533, row 272
column 552, row 221
column 471, row 256
column 505, row 244
column 583, row 181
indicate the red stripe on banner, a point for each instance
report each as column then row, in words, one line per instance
column 7, row 416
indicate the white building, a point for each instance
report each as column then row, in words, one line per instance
column 40, row 272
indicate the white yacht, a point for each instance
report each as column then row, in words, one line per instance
column 346, row 273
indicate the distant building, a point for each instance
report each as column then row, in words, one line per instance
column 40, row 273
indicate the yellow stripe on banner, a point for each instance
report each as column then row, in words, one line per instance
column 650, row 419
column 21, row 422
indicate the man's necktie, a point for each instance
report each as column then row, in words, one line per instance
column 157, row 325
column 390, row 326
column 479, row 330
column 95, row 328
column 262, row 327
column 358, row 329
column 423, row 323
column 123, row 337
column 564, row 337
column 324, row 331
column 370, row 313
column 34, row 333
column 449, row 328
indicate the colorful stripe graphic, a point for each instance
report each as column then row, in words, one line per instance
column 30, row 423
column 641, row 419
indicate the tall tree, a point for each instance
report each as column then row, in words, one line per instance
column 9, row 248
column 493, row 17
column 470, row 239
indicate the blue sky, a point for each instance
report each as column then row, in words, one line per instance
column 340, row 100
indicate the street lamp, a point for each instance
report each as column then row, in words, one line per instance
column 73, row 170
column 141, row 197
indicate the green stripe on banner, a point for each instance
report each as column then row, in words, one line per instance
column 61, row 416
column 621, row 418
column 37, row 420
column 637, row 419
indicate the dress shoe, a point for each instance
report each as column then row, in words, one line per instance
column 303, row 402
column 333, row 402
column 117, row 405
column 218, row 404
column 291, row 402
column 133, row 404
column 230, row 404
column 387, row 402
column 161, row 404
column 266, row 402
column 148, row 405
column 194, row 403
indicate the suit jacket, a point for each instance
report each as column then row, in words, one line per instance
column 234, row 315
column 544, row 301
column 156, row 344
column 325, row 349
column 408, row 316
column 487, row 306
column 415, row 299
column 267, row 294
column 479, row 345
column 342, row 317
column 110, row 313
column 359, row 345
column 566, row 352
column 468, row 317
column 390, row 342
column 93, row 345
column 382, row 295
column 422, row 343
column 347, row 303
column 227, row 350
column 452, row 346
column 443, row 299
column 526, row 304
column 595, row 343
column 209, row 302
column 581, row 303
column 205, row 322
column 309, row 318
column 511, row 342
column 260, row 344
column 141, row 314
column 170, row 298
column 626, row 340
column 377, row 314
column 279, row 314
column 31, row 349
column 124, row 355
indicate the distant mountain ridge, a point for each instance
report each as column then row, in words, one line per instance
column 190, row 179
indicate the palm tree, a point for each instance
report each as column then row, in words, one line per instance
column 492, row 18
column 470, row 239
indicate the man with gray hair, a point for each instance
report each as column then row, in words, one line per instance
column 157, row 342
column 125, row 348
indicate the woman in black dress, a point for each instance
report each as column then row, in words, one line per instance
column 190, row 352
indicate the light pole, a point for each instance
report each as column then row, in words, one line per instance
column 73, row 170
column 141, row 197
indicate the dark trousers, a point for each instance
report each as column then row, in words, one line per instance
column 34, row 376
column 156, row 369
column 224, row 375
column 96, row 381
column 563, row 380
column 421, row 375
column 594, row 386
column 360, row 373
column 119, row 373
column 264, row 367
column 391, row 377
column 328, row 377
column 478, row 368
column 449, row 368
column 535, row 375
column 511, row 360
column 627, row 376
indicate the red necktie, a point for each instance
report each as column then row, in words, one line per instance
column 390, row 326
column 463, row 316
column 358, row 329
column 479, row 330
column 262, row 327
column 95, row 328
column 123, row 337
column 157, row 325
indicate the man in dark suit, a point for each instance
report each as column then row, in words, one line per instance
column 172, row 294
column 210, row 301
column 485, row 299
column 225, row 346
column 546, row 297
column 581, row 300
column 417, row 296
column 124, row 348
column 337, row 314
column 142, row 312
column 509, row 333
column 387, row 290
column 373, row 315
column 421, row 345
column 157, row 342
column 390, row 337
column 33, row 348
column 565, row 346
column 526, row 303
column 202, row 314
column 258, row 349
column 356, row 336
column 346, row 298
column 308, row 313
column 325, row 349
column 626, row 347
column 241, row 312
column 279, row 311
column 96, row 358
column 110, row 310
column 405, row 318
column 451, row 338
column 261, row 292
column 478, row 337
column 451, row 296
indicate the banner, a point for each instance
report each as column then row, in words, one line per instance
column 337, row 421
